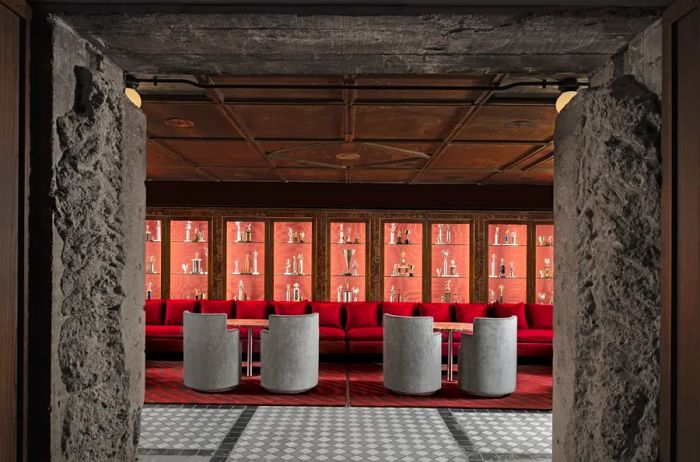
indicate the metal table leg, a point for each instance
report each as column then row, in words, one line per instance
column 249, row 366
column 450, row 358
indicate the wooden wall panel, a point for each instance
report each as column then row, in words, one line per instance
column 10, row 128
column 680, row 406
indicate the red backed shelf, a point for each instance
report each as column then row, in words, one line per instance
column 507, row 244
column 153, row 263
column 455, row 244
column 544, row 264
column 348, row 238
column 286, row 250
column 405, row 288
column 245, row 260
column 189, row 242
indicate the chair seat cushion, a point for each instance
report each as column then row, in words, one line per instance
column 331, row 333
column 535, row 335
column 365, row 333
column 243, row 332
column 164, row 331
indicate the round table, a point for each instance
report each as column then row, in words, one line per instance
column 450, row 328
column 249, row 324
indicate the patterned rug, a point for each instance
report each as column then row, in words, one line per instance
column 357, row 385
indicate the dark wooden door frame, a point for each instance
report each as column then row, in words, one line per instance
column 678, row 435
column 17, row 15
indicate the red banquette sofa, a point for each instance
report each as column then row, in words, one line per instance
column 349, row 327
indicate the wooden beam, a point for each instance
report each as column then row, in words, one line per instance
column 182, row 160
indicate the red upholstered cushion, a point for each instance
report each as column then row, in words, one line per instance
column 175, row 308
column 251, row 310
column 243, row 332
column 540, row 316
column 164, row 331
column 366, row 333
column 362, row 314
column 399, row 308
column 217, row 307
column 331, row 333
column 154, row 312
column 466, row 312
column 535, row 336
column 290, row 308
column 505, row 310
column 439, row 311
column 329, row 314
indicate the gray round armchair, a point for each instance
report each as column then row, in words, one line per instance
column 412, row 355
column 488, row 359
column 289, row 354
column 211, row 353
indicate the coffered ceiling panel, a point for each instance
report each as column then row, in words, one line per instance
column 405, row 122
column 216, row 153
column 480, row 156
column 292, row 121
column 434, row 134
column 207, row 120
column 533, row 123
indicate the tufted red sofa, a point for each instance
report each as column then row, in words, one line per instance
column 353, row 328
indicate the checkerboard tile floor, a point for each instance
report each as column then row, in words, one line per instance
column 217, row 433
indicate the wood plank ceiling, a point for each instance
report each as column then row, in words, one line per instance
column 358, row 136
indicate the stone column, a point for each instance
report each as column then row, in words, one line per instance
column 96, row 211
column 607, row 217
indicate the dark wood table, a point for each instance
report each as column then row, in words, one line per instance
column 451, row 328
column 249, row 324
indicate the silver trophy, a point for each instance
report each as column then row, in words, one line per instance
column 348, row 254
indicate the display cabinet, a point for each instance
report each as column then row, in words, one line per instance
column 403, row 261
column 245, row 259
column 189, row 259
column 153, row 252
column 450, row 262
column 293, row 260
column 544, row 263
column 348, row 261
column 507, row 267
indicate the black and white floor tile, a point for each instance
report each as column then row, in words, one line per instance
column 308, row 434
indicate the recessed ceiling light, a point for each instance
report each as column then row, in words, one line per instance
column 347, row 156
column 518, row 124
column 179, row 123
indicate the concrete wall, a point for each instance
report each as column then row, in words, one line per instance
column 607, row 215
column 98, row 206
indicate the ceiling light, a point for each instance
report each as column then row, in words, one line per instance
column 179, row 123
column 347, row 156
column 564, row 99
column 568, row 88
column 133, row 96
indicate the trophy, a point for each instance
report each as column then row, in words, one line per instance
column 445, row 272
column 392, row 294
column 301, row 237
column 493, row 265
column 407, row 241
column 149, row 236
column 241, row 295
column 288, row 293
column 447, row 296
column 296, row 293
column 547, row 272
column 511, row 271
column 151, row 268
column 540, row 239
column 354, row 271
column 184, row 268
column 348, row 254
column 506, row 237
column 542, row 297
column 255, row 262
column 453, row 268
column 196, row 264
column 149, row 291
column 238, row 232
column 188, row 229
column 448, row 234
column 392, row 234
column 500, row 290
column 341, row 235
column 340, row 293
column 514, row 235
column 495, row 236
column 246, row 265
column 300, row 264
column 157, row 238
column 290, row 236
column 355, row 292
column 502, row 269
column 236, row 270
column 288, row 268
column 492, row 294
column 249, row 233
column 439, row 235
column 295, row 269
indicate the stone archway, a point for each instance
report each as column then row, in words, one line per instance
column 91, row 166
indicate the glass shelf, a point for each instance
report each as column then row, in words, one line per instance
column 508, row 289
column 184, row 249
column 245, row 260
column 287, row 255
column 343, row 257
column 544, row 257
column 408, row 256
column 449, row 250
column 153, row 246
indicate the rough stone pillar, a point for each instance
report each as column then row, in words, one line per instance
column 97, row 207
column 607, row 216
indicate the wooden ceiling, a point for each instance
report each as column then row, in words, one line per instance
column 354, row 136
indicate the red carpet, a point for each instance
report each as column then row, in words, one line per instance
column 164, row 385
column 534, row 391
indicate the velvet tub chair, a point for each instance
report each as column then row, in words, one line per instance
column 488, row 359
column 412, row 355
column 289, row 351
column 211, row 353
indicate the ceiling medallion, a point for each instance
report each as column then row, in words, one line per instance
column 347, row 156
column 518, row 124
column 179, row 123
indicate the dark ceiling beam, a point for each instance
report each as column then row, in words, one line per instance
column 306, row 162
column 357, row 140
column 467, row 115
column 511, row 165
column 178, row 158
column 408, row 152
column 305, row 147
column 180, row 99
column 217, row 97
